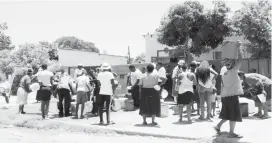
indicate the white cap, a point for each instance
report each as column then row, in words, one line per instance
column 154, row 65
column 105, row 66
column 80, row 64
column 181, row 62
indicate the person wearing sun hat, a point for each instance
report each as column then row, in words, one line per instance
column 106, row 80
column 23, row 91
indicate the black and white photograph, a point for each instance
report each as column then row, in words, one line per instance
column 149, row 71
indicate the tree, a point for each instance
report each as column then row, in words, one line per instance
column 253, row 21
column 71, row 42
column 188, row 27
column 5, row 42
column 140, row 58
column 52, row 50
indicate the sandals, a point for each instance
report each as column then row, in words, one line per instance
column 217, row 130
column 233, row 135
column 154, row 123
column 257, row 115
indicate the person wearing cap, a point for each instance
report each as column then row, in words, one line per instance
column 135, row 76
column 78, row 71
column 106, row 82
column 23, row 91
column 45, row 79
column 176, row 71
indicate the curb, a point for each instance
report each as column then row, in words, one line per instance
column 86, row 128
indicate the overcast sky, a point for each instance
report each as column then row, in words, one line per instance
column 111, row 25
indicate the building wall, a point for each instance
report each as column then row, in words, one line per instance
column 152, row 45
column 71, row 58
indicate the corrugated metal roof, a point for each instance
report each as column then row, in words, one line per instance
column 71, row 58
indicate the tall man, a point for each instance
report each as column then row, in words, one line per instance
column 106, row 81
column 45, row 79
column 135, row 77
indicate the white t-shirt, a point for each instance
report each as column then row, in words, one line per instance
column 65, row 81
column 105, row 81
column 134, row 76
column 77, row 73
column 162, row 73
column 82, row 82
column 45, row 77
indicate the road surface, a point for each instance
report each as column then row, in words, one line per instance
column 10, row 134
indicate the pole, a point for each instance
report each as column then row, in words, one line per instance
column 128, row 55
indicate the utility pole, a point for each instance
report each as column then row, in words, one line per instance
column 128, row 55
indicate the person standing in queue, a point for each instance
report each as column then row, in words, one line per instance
column 176, row 71
column 135, row 77
column 106, row 82
column 161, row 73
column 193, row 66
column 82, row 87
column 64, row 88
column 150, row 104
column 45, row 79
column 78, row 71
column 169, row 84
column 186, row 81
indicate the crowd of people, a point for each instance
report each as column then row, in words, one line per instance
column 187, row 84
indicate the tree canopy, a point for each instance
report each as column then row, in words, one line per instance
column 71, row 42
column 253, row 21
column 188, row 26
column 5, row 41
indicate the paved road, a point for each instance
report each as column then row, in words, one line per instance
column 24, row 135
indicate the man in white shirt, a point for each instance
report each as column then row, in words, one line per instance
column 176, row 71
column 45, row 79
column 135, row 77
column 78, row 71
column 162, row 74
column 106, row 81
column 64, row 88
column 82, row 87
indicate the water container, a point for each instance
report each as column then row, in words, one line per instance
column 230, row 50
column 164, row 110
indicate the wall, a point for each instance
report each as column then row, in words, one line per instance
column 152, row 46
column 71, row 58
column 210, row 56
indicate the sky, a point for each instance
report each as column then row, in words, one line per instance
column 112, row 25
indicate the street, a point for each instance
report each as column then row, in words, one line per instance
column 10, row 134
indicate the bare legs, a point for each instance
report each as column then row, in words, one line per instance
column 153, row 120
column 188, row 107
column 21, row 109
column 82, row 110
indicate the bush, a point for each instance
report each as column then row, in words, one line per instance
column 16, row 81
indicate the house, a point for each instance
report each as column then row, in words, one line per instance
column 71, row 58
column 154, row 49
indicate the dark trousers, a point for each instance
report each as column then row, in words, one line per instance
column 6, row 97
column 101, row 100
column 44, row 108
column 135, row 95
column 64, row 94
